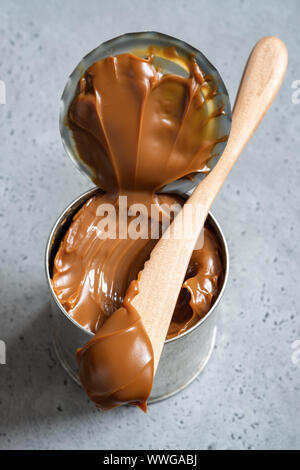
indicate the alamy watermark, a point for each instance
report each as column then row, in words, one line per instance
column 2, row 92
column 296, row 354
column 140, row 221
column 296, row 93
column 2, row 352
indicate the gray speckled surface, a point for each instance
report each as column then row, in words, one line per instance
column 248, row 396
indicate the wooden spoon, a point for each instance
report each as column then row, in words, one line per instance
column 162, row 277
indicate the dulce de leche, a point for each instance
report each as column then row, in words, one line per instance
column 137, row 130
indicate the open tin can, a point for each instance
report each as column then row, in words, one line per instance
column 183, row 356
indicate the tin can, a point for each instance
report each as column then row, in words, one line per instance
column 183, row 356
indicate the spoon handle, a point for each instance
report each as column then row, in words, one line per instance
column 260, row 83
column 162, row 277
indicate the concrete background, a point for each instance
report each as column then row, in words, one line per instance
column 248, row 396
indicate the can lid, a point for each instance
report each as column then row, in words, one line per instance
column 138, row 44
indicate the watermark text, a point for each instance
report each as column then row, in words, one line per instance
column 296, row 354
column 2, row 352
column 296, row 93
column 2, row 92
column 148, row 221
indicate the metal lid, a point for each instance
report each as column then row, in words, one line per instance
column 138, row 43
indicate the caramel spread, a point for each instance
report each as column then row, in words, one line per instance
column 136, row 130
column 111, row 372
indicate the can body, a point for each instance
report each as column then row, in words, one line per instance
column 183, row 357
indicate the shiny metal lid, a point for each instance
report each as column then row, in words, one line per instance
column 139, row 43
